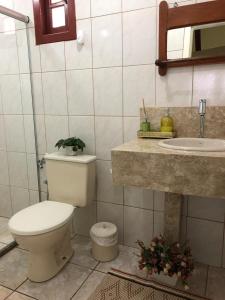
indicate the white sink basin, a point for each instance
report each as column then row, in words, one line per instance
column 194, row 144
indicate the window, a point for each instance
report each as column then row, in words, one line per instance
column 54, row 21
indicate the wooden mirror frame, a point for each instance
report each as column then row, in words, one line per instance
column 184, row 16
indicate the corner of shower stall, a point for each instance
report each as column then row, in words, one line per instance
column 19, row 176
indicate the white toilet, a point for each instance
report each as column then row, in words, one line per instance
column 44, row 228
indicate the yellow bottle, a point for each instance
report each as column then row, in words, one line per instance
column 167, row 122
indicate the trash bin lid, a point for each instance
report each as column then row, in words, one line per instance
column 104, row 234
column 104, row 230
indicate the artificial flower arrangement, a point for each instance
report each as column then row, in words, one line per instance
column 171, row 260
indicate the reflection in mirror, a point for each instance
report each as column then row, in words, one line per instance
column 197, row 41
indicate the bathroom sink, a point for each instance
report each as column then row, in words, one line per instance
column 194, row 144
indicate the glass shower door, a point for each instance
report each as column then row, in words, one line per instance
column 18, row 163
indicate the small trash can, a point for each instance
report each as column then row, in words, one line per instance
column 104, row 237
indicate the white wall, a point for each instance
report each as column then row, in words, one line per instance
column 95, row 92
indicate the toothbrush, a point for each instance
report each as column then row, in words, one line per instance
column 145, row 113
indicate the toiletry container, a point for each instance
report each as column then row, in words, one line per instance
column 167, row 123
column 104, row 237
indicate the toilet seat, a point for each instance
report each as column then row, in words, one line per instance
column 41, row 218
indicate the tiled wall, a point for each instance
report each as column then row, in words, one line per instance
column 95, row 91
column 18, row 172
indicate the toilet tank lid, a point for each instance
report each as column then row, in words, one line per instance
column 82, row 158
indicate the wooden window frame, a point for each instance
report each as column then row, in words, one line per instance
column 184, row 16
column 44, row 31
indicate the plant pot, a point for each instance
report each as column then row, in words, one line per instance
column 165, row 279
column 161, row 278
column 68, row 151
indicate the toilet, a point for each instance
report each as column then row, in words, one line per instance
column 44, row 229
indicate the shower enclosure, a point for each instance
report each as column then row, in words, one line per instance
column 19, row 184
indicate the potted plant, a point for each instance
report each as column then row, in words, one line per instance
column 71, row 145
column 166, row 263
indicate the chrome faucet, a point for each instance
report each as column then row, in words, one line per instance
column 202, row 113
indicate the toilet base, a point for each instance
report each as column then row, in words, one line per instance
column 45, row 265
column 48, row 253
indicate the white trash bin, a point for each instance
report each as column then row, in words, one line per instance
column 104, row 237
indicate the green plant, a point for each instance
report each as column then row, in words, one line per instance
column 169, row 259
column 75, row 143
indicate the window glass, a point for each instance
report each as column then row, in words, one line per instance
column 55, row 1
column 58, row 17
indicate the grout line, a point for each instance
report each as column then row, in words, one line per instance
column 123, row 119
column 82, row 284
column 89, row 68
column 99, row 271
column 205, row 219
column 16, row 290
column 2, row 284
column 67, row 97
column 21, row 294
column 94, row 113
column 21, row 284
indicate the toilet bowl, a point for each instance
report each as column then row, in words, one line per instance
column 44, row 230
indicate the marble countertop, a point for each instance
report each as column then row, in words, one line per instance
column 151, row 146
column 143, row 163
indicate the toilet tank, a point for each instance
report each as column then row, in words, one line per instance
column 71, row 179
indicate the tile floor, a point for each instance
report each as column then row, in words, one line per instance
column 82, row 274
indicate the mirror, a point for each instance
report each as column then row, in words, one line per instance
column 206, row 40
column 190, row 35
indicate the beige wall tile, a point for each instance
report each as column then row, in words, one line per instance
column 206, row 208
column 84, row 218
column 83, row 9
column 175, row 89
column 139, row 45
column 80, row 57
column 138, row 225
column 138, row 197
column 108, row 212
column 158, row 223
column 108, row 134
column 159, row 200
column 107, row 40
column 206, row 240
column 106, row 191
